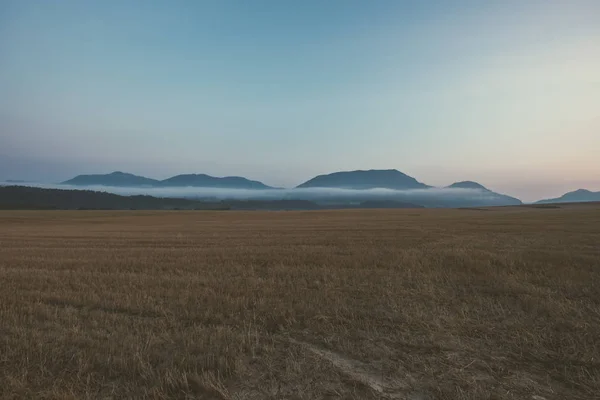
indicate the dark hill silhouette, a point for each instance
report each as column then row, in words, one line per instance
column 371, row 179
column 25, row 198
column 577, row 196
column 203, row 180
column 116, row 178
column 33, row 198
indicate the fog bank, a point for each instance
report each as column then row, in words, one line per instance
column 432, row 197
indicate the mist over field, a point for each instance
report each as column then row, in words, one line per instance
column 429, row 197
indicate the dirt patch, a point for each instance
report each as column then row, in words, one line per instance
column 389, row 388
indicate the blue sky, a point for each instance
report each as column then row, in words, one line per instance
column 506, row 93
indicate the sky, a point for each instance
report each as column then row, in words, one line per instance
column 505, row 93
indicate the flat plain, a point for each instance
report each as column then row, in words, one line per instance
column 498, row 303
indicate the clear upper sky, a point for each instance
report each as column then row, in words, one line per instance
column 506, row 93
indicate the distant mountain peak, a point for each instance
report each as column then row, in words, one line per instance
column 203, row 180
column 116, row 178
column 581, row 191
column 576, row 196
column 365, row 179
column 191, row 175
column 467, row 185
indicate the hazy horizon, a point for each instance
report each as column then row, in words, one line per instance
column 310, row 193
column 431, row 197
column 502, row 93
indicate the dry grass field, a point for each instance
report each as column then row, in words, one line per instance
column 502, row 303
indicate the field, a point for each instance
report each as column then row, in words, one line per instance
column 499, row 303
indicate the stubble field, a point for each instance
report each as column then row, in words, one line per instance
column 502, row 303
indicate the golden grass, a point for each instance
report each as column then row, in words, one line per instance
column 415, row 304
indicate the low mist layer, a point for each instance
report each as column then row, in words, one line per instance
column 431, row 197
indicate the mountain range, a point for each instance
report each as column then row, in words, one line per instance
column 356, row 186
column 356, row 180
column 338, row 188
column 123, row 179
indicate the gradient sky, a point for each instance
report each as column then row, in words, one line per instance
column 506, row 93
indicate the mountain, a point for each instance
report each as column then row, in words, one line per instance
column 578, row 196
column 371, row 179
column 482, row 196
column 116, row 178
column 203, row 180
column 467, row 185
